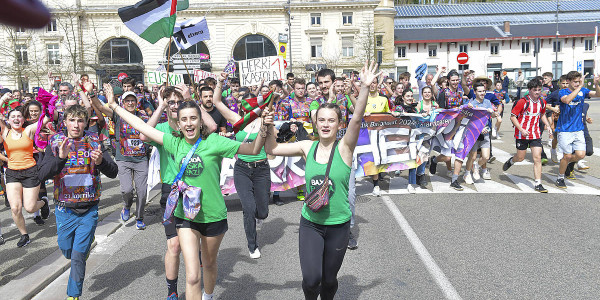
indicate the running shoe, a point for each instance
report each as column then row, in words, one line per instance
column 506, row 165
column 494, row 134
column 432, row 165
column 540, row 188
column 72, row 298
column 139, row 224
column 571, row 175
column 23, row 241
column 352, row 243
column 125, row 214
column 255, row 254
column 38, row 220
column 411, row 189
column 476, row 170
column 45, row 210
column 544, row 161
column 492, row 159
column 300, row 195
column 486, row 174
column 582, row 166
column 421, row 181
column 1, row 240
column 455, row 185
column 560, row 183
column 468, row 178
column 376, row 191
column 173, row 296
column 554, row 156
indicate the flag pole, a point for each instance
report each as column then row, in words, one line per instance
column 169, row 59
column 186, row 69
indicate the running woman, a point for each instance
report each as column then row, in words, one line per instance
column 209, row 223
column 324, row 235
column 525, row 116
column 22, row 182
column 75, row 159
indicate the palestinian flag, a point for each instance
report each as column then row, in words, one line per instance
column 253, row 108
column 150, row 19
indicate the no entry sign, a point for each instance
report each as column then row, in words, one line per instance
column 462, row 58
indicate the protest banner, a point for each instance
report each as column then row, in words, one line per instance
column 201, row 74
column 161, row 77
column 253, row 71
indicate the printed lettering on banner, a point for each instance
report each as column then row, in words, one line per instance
column 161, row 77
column 201, row 74
column 253, row 71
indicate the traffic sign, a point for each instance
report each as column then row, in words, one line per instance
column 462, row 58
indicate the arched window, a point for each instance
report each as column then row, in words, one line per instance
column 119, row 51
column 253, row 46
column 199, row 48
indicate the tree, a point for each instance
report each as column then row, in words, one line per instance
column 366, row 42
column 15, row 54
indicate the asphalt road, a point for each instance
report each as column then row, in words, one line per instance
column 504, row 243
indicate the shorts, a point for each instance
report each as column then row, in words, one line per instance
column 27, row 177
column 568, row 142
column 523, row 144
column 480, row 144
column 205, row 229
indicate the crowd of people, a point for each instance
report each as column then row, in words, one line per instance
column 74, row 133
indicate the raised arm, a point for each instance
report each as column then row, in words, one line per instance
column 137, row 123
column 254, row 147
column 597, row 85
column 110, row 96
column 367, row 76
column 155, row 118
column 439, row 72
column 463, row 82
column 570, row 97
column 229, row 115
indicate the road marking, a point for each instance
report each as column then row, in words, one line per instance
column 575, row 188
column 502, row 156
column 589, row 179
column 490, row 186
column 435, row 271
column 527, row 185
column 398, row 185
column 442, row 185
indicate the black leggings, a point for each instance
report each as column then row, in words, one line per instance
column 319, row 272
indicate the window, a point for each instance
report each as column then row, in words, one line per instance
column 463, row 48
column 253, row 46
column 20, row 29
column 21, row 54
column 432, row 50
column 556, row 46
column 431, row 69
column 347, row 18
column 52, row 26
column 494, row 48
column 316, row 47
column 53, row 54
column 463, row 67
column 557, row 68
column 588, row 67
column 315, row 19
column 378, row 41
column 402, row 52
column 525, row 47
column 120, row 51
column 588, row 45
column 379, row 57
column 347, row 46
column 400, row 70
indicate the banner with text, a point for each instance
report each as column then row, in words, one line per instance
column 253, row 71
column 161, row 77
column 201, row 74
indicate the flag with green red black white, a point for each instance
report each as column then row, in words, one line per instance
column 150, row 19
column 253, row 108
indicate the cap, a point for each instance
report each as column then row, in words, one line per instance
column 127, row 94
column 117, row 90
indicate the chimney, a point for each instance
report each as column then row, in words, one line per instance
column 507, row 27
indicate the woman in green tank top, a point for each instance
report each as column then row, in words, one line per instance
column 251, row 174
column 327, row 230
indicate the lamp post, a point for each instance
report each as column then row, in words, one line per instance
column 556, row 42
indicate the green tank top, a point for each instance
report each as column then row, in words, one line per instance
column 338, row 210
column 240, row 136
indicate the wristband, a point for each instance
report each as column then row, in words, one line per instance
column 91, row 94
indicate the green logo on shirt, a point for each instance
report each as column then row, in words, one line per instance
column 194, row 167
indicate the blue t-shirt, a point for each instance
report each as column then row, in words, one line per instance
column 570, row 119
column 488, row 95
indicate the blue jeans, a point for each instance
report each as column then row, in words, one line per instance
column 75, row 237
column 412, row 173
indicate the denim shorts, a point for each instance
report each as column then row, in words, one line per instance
column 568, row 142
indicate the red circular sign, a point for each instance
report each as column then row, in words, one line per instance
column 462, row 58
column 121, row 76
column 285, row 64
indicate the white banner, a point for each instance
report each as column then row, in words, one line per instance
column 201, row 74
column 253, row 71
column 161, row 77
column 190, row 32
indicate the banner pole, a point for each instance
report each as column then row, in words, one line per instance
column 192, row 81
column 169, row 59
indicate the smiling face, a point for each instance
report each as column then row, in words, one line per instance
column 16, row 119
column 338, row 87
column 328, row 123
column 408, row 98
column 63, row 91
column 427, row 94
column 480, row 93
column 207, row 97
column 34, row 112
column 130, row 103
column 311, row 89
column 172, row 104
column 190, row 123
column 453, row 82
column 325, row 83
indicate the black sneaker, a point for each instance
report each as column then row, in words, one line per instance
column 352, row 243
column 45, row 210
column 560, row 183
column 540, row 188
column 421, row 181
column 492, row 159
column 506, row 165
column 38, row 220
column 6, row 203
column 432, row 165
column 455, row 185
column 1, row 240
column 23, row 241
column 277, row 200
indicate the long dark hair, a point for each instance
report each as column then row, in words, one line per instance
column 29, row 104
column 192, row 104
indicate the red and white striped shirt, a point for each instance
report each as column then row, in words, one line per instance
column 529, row 112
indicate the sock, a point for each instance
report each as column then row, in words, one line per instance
column 172, row 286
column 36, row 214
column 538, row 181
column 206, row 296
column 484, row 170
column 561, row 176
column 375, row 182
column 454, row 177
column 467, row 173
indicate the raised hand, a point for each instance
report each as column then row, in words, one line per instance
column 63, row 149
column 268, row 116
column 74, row 79
column 368, row 75
column 222, row 76
column 96, row 155
column 110, row 96
column 88, row 86
column 159, row 99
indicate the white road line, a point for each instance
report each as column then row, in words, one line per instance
column 398, row 186
column 527, row 185
column 442, row 185
column 596, row 151
column 502, row 156
column 490, row 186
column 430, row 264
column 575, row 188
column 589, row 179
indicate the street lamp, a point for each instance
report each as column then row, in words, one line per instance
column 556, row 42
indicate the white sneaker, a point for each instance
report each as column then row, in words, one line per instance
column 475, row 172
column 259, row 223
column 468, row 178
column 494, row 134
column 397, row 173
column 486, row 174
column 255, row 254
column 582, row 166
column 376, row 191
column 411, row 189
column 554, row 156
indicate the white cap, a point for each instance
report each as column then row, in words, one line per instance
column 126, row 94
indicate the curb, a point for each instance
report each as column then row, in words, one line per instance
column 37, row 277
